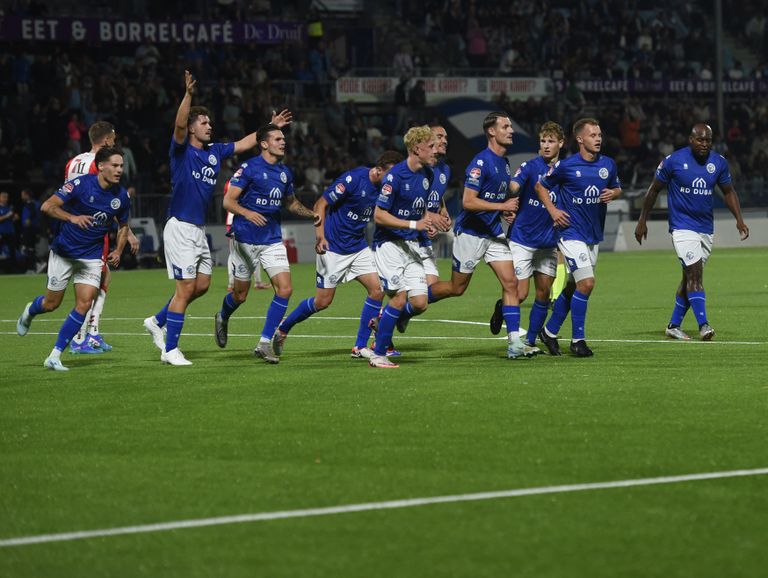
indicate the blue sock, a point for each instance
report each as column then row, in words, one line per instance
column 275, row 314
column 579, row 303
column 559, row 313
column 228, row 306
column 37, row 306
column 698, row 302
column 175, row 325
column 536, row 320
column 68, row 329
column 370, row 310
column 430, row 298
column 386, row 328
column 678, row 313
column 408, row 311
column 303, row 311
column 511, row 314
column 162, row 315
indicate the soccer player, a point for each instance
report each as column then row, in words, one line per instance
column 585, row 183
column 532, row 238
column 257, row 282
column 343, row 211
column 88, row 339
column 400, row 214
column 478, row 230
column 87, row 205
column 195, row 164
column 690, row 175
column 260, row 187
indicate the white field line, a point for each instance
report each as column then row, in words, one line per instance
column 370, row 506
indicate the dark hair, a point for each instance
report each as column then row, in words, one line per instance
column 196, row 111
column 389, row 158
column 491, row 119
column 582, row 122
column 263, row 133
column 99, row 131
column 104, row 153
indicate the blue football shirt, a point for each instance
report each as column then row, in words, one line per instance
column 404, row 194
column 489, row 175
column 533, row 227
column 579, row 183
column 442, row 175
column 265, row 187
column 351, row 200
column 84, row 196
column 193, row 178
column 690, row 185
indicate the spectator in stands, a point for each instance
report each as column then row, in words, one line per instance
column 8, row 220
column 402, row 63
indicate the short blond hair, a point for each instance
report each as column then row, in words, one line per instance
column 417, row 135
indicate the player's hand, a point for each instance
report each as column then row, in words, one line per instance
column 82, row 221
column 447, row 216
column 743, row 229
column 189, row 82
column 317, row 220
column 641, row 232
column 510, row 204
column 280, row 120
column 560, row 218
column 321, row 246
column 133, row 242
column 607, row 195
column 256, row 218
column 113, row 259
column 509, row 216
column 439, row 222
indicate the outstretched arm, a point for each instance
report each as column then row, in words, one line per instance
column 281, row 119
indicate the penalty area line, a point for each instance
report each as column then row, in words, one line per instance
column 371, row 506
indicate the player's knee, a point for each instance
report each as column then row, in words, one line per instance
column 376, row 294
column 458, row 289
column 239, row 295
column 322, row 303
column 284, row 292
column 418, row 303
column 585, row 286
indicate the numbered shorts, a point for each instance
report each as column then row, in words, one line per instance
column 580, row 258
column 428, row 260
column 334, row 268
column 468, row 250
column 529, row 259
column 691, row 246
column 400, row 267
column 186, row 250
column 62, row 269
column 245, row 259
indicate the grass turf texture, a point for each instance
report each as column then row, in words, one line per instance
column 121, row 440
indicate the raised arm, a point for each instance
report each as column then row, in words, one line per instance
column 281, row 119
column 182, row 115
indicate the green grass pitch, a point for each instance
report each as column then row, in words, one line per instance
column 121, row 440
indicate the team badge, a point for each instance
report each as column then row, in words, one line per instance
column 333, row 279
column 425, row 184
column 115, row 204
column 442, row 179
column 190, row 269
column 54, row 280
column 518, row 271
column 395, row 279
column 710, row 168
column 241, row 268
column 689, row 255
column 583, row 257
column 603, row 173
column 212, row 160
column 283, row 177
column 469, row 264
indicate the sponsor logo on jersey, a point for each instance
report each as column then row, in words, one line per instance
column 592, row 191
column 115, row 204
column 212, row 160
column 603, row 173
column 699, row 183
column 100, row 218
column 208, row 172
column 418, row 203
column 710, row 168
column 275, row 193
column 479, row 162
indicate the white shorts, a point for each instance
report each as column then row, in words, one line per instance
column 186, row 250
column 528, row 259
column 334, row 268
column 61, row 269
column 246, row 258
column 468, row 250
column 580, row 258
column 230, row 269
column 428, row 260
column 691, row 246
column 400, row 267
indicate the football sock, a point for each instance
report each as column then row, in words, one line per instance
column 68, row 329
column 96, row 309
column 698, row 303
column 386, row 328
column 175, row 325
column 37, row 306
column 274, row 315
column 303, row 311
column 430, row 297
column 559, row 313
column 370, row 310
column 82, row 331
column 228, row 306
column 162, row 316
column 678, row 313
column 578, row 315
column 536, row 320
column 511, row 314
column 408, row 312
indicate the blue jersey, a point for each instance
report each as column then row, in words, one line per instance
column 690, row 185
column 30, row 216
column 351, row 199
column 579, row 183
column 6, row 226
column 489, row 175
column 404, row 194
column 193, row 178
column 533, row 227
column 265, row 186
column 442, row 174
column 84, row 196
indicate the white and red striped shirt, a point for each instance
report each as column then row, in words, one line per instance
column 82, row 164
